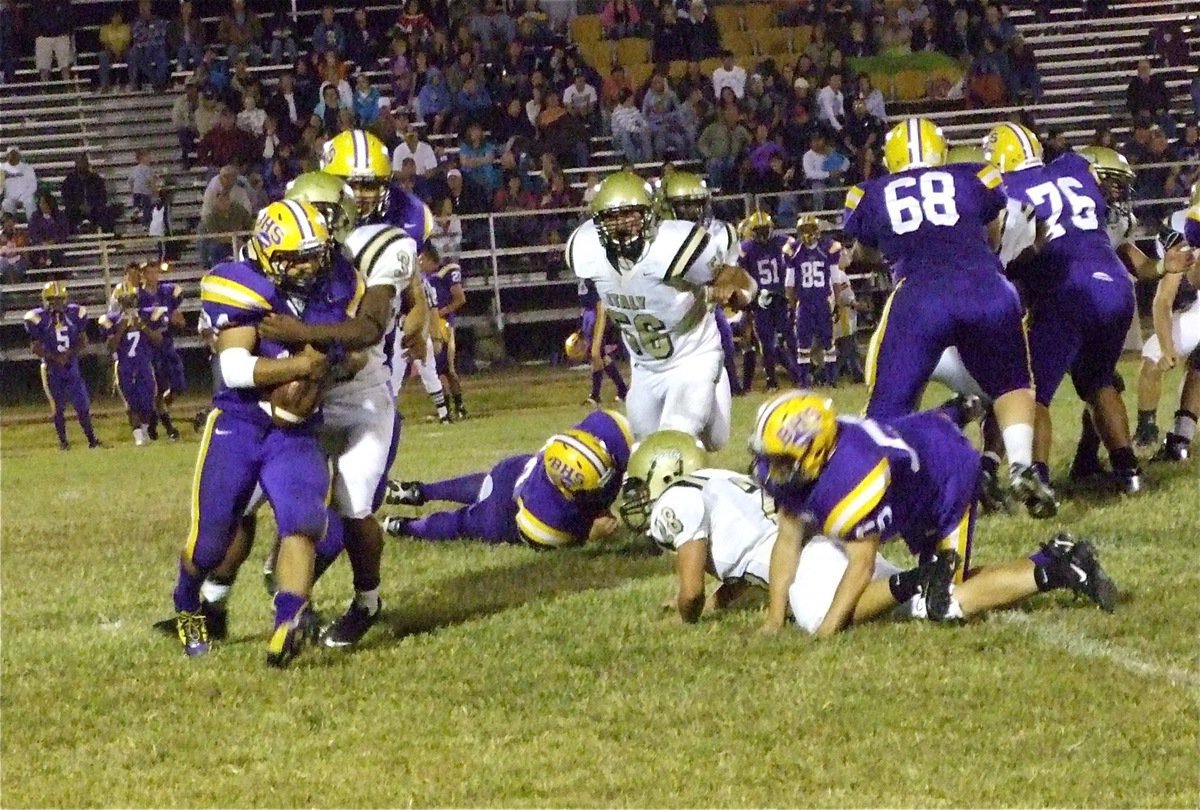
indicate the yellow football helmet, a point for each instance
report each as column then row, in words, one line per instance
column 623, row 210
column 360, row 159
column 1195, row 194
column 1012, row 147
column 330, row 195
column 54, row 295
column 687, row 196
column 794, row 433
column 808, row 229
column 577, row 463
column 963, row 153
column 912, row 144
column 757, row 226
column 125, row 295
column 1115, row 175
column 291, row 244
column 575, row 347
column 656, row 462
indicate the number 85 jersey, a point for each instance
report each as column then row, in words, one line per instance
column 929, row 219
column 658, row 301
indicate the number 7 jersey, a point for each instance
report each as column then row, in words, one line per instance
column 657, row 301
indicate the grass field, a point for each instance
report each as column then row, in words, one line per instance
column 505, row 677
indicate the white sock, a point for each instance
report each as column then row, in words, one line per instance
column 1018, row 444
column 213, row 593
column 139, row 436
column 1185, row 426
column 367, row 599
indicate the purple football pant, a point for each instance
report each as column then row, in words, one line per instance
column 235, row 454
column 135, row 378
column 952, row 462
column 491, row 515
column 979, row 312
column 65, row 386
column 168, row 370
column 1079, row 327
column 769, row 324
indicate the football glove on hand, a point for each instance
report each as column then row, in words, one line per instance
column 765, row 298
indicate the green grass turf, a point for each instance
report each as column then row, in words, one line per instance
column 507, row 677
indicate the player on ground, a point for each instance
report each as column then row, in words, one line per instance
column 811, row 265
column 133, row 333
column 58, row 334
column 1081, row 299
column 591, row 342
column 865, row 482
column 558, row 497
column 448, row 298
column 288, row 270
column 656, row 282
column 939, row 225
column 765, row 258
column 168, row 365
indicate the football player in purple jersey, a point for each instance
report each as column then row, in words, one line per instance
column 811, row 267
column 593, row 342
column 865, row 482
column 58, row 335
column 168, row 365
column 448, row 298
column 938, row 225
column 133, row 334
column 766, row 257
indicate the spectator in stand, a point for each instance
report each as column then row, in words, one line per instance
column 271, row 143
column 621, row 19
column 831, row 104
column 328, row 114
column 863, row 130
column 1147, row 94
column 115, row 38
column 557, row 195
column 425, row 160
column 207, row 113
column 366, row 101
column 226, row 207
column 512, row 130
column 581, row 98
column 704, row 40
column 465, row 199
column 53, row 25
column 513, row 198
column 85, row 198
column 762, row 149
column 20, row 184
column 670, row 42
column 241, row 32
column 864, row 167
column 823, row 167
column 658, row 108
column 143, row 185
column 1027, row 81
column 225, row 144
column 858, row 44
column 413, row 23
column 756, row 104
column 1187, row 150
column 957, row 38
column 276, row 180
column 563, row 134
column 533, row 25
column 1103, row 136
column 472, row 104
column 252, row 118
column 798, row 132
column 185, row 37
column 1155, row 181
column 892, row 37
column 925, row 36
column 477, row 158
column 913, row 13
column 148, row 54
column 631, row 131
column 287, row 108
column 183, row 120
column 434, row 102
column 729, row 75
column 493, row 26
column 721, row 144
column 8, row 41
column 1055, row 145
column 818, row 48
column 334, row 71
column 281, row 29
column 13, row 263
column 447, row 236
column 996, row 24
column 1137, row 149
column 1169, row 42
column 329, row 34
column 687, row 120
column 991, row 76
column 873, row 98
column 362, row 45
column 308, row 89
column 47, row 226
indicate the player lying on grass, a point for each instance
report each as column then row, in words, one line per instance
column 557, row 497
column 865, row 482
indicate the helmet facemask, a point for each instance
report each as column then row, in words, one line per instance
column 1118, row 191
column 296, row 271
column 371, row 194
column 625, row 229
column 691, row 209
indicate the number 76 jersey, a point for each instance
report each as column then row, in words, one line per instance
column 658, row 301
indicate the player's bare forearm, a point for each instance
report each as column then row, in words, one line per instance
column 785, row 557
column 309, row 364
column 726, row 594
column 1138, row 263
column 362, row 331
column 414, row 330
column 1164, row 299
column 855, row 579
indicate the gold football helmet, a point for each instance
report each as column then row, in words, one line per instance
column 1012, row 147
column 1115, row 175
column 656, row 462
column 623, row 210
column 292, row 245
column 794, row 433
column 808, row 228
column 361, row 160
column 577, row 463
column 575, row 347
column 914, row 143
column 330, row 195
column 757, row 226
column 54, row 295
column 687, row 196
column 125, row 295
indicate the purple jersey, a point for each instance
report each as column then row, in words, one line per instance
column 406, row 211
column 167, row 295
column 235, row 294
column 588, row 296
column 57, row 332
column 1191, row 227
column 929, row 220
column 135, row 349
column 442, row 282
column 914, row 476
column 812, row 269
column 766, row 262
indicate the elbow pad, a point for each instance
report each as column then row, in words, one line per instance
column 237, row 368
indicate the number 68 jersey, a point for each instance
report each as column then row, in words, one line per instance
column 658, row 301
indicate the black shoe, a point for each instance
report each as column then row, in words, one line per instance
column 1085, row 467
column 199, row 419
column 396, row 526
column 772, row 386
column 64, row 446
column 460, row 413
column 963, row 409
column 1080, row 567
column 1145, row 437
column 173, row 434
column 404, row 493
column 1173, row 448
column 990, row 492
column 290, row 639
column 216, row 620
column 445, row 420
column 1035, row 493
column 351, row 626
column 937, row 585
column 97, row 445
column 1128, row 480
column 152, row 432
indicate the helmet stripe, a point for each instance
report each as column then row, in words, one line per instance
column 362, row 151
column 1023, row 139
column 914, row 140
column 586, row 452
column 306, row 229
column 769, row 410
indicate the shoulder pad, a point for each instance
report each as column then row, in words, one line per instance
column 236, row 285
column 34, row 316
column 691, row 246
column 989, row 176
column 81, row 312
column 854, row 197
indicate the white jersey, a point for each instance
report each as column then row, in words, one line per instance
column 658, row 301
column 1120, row 227
column 1019, row 230
column 727, row 509
column 726, row 234
column 382, row 255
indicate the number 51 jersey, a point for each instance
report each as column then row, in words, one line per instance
column 658, row 301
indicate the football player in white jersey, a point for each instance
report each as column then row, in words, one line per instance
column 719, row 522
column 656, row 281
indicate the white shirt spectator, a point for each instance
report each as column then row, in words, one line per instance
column 423, row 156
column 628, row 118
column 252, row 121
column 237, row 194
column 831, row 107
column 734, row 78
column 586, row 99
column 20, row 185
column 447, row 237
column 814, row 165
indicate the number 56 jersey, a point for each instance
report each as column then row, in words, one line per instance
column 658, row 301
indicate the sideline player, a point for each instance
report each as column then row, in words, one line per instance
column 448, row 298
column 811, row 266
column 766, row 259
column 133, row 334
column 591, row 343
column 168, row 365
column 58, row 335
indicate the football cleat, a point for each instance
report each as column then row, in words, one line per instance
column 290, row 638
column 1173, row 448
column 404, row 493
column 460, row 413
column 1035, row 493
column 1084, row 467
column 97, row 445
column 445, row 420
column 216, row 619
column 963, row 409
column 990, row 492
column 64, row 446
column 1145, row 437
column 937, row 585
column 173, row 434
column 396, row 526
column 192, row 631
column 1081, row 568
column 351, row 626
column 1128, row 480
column 592, row 402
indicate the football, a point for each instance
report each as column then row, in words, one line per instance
column 293, row 402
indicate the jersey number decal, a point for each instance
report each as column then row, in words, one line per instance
column 934, row 201
column 1083, row 208
column 768, row 271
column 62, row 338
column 646, row 335
column 812, row 275
column 134, row 339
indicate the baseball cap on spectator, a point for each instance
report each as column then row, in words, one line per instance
column 801, row 85
column 453, row 173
